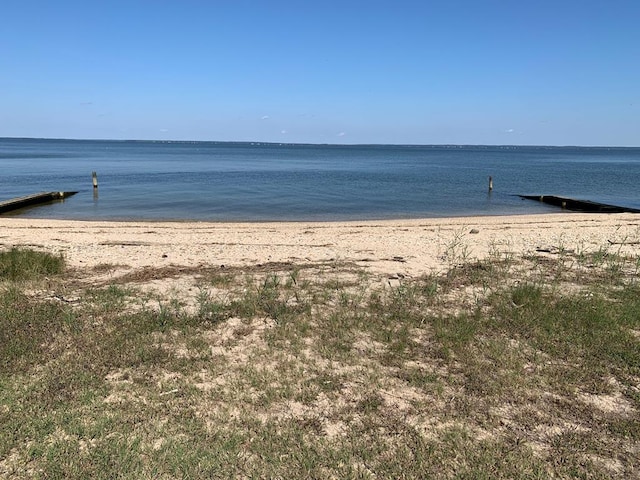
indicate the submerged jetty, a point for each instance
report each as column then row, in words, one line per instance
column 31, row 200
column 575, row 205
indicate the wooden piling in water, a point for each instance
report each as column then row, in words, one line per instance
column 490, row 183
column 94, row 178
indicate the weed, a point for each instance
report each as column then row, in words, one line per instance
column 457, row 250
column 210, row 309
column 220, row 279
column 111, row 298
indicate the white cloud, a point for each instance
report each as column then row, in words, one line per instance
column 341, row 134
column 510, row 130
column 283, row 131
column 264, row 117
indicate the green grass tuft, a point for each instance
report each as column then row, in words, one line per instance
column 27, row 264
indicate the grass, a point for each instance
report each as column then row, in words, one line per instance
column 501, row 368
column 19, row 264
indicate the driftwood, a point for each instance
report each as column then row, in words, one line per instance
column 611, row 242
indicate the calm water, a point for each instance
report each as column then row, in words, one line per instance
column 243, row 181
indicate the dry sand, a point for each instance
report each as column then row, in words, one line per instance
column 406, row 247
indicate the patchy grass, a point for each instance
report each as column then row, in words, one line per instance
column 20, row 264
column 501, row 368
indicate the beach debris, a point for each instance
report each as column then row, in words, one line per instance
column 61, row 298
column 474, row 230
column 611, row 242
column 392, row 282
column 555, row 250
column 125, row 243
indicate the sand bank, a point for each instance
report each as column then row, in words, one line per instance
column 408, row 247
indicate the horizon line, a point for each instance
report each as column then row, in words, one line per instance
column 317, row 144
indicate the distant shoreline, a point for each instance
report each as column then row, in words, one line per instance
column 302, row 144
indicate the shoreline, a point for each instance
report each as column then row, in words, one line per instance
column 407, row 247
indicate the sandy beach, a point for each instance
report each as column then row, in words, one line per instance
column 407, row 247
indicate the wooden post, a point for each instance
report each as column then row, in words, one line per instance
column 94, row 177
column 490, row 183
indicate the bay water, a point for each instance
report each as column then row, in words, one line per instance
column 226, row 181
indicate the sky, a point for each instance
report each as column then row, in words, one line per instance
column 491, row 72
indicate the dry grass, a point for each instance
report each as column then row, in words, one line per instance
column 503, row 368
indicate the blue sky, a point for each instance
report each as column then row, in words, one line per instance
column 409, row 72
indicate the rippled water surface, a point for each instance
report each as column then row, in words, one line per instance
column 243, row 181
